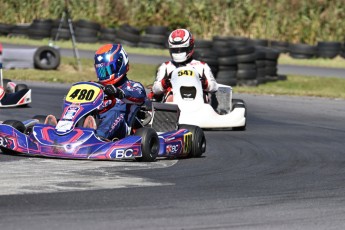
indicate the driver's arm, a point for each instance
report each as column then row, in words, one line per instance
column 211, row 81
column 161, row 84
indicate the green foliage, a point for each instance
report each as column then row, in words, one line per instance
column 306, row 21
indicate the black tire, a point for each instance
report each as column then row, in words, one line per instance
column 149, row 144
column 200, row 43
column 16, row 124
column 302, row 48
column 153, row 38
column 64, row 33
column 41, row 118
column 46, row 58
column 88, row 24
column 257, row 42
column 198, row 140
column 158, row 30
column 246, row 74
column 20, row 87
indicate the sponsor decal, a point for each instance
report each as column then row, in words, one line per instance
column 172, row 148
column 116, row 122
column 71, row 112
column 187, row 139
column 63, row 126
column 125, row 153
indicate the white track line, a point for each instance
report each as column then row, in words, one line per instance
column 39, row 175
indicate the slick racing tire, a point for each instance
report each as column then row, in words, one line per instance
column 16, row 124
column 149, row 144
column 198, row 140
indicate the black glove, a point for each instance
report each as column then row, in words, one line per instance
column 166, row 80
column 204, row 81
column 111, row 90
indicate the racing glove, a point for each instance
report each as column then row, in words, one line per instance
column 111, row 90
column 166, row 80
column 204, row 81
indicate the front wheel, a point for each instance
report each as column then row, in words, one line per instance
column 198, row 140
column 149, row 144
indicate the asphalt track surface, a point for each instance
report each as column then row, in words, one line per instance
column 286, row 171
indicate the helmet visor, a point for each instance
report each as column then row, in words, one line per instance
column 179, row 50
column 105, row 70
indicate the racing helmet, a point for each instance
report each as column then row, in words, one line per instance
column 111, row 63
column 181, row 45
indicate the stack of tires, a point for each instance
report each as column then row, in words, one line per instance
column 128, row 35
column 19, row 30
column 107, row 35
column 260, row 66
column 40, row 29
column 271, row 64
column 342, row 52
column 302, row 51
column 280, row 46
column 227, row 66
column 86, row 31
column 204, row 52
column 328, row 50
column 154, row 37
column 246, row 66
column 208, row 56
column 60, row 30
column 257, row 42
column 5, row 28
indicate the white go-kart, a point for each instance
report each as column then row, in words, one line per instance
column 12, row 94
column 212, row 111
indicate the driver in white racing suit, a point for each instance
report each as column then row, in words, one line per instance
column 181, row 47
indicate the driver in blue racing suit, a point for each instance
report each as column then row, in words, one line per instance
column 123, row 95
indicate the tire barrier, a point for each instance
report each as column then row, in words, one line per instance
column 128, row 35
column 154, row 37
column 44, row 58
column 86, row 31
column 234, row 60
column 40, row 29
column 107, row 35
column 328, row 49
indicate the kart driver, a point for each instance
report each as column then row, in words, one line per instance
column 181, row 47
column 111, row 64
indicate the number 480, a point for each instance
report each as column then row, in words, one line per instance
column 83, row 94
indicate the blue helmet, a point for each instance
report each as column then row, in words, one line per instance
column 111, row 63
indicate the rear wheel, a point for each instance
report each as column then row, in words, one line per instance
column 16, row 124
column 149, row 144
column 198, row 140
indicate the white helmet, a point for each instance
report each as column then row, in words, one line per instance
column 181, row 45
